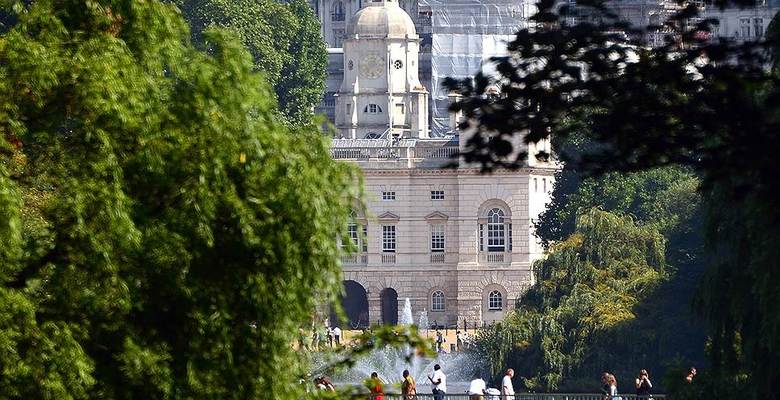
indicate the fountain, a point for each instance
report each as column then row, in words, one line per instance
column 406, row 314
column 423, row 324
column 390, row 362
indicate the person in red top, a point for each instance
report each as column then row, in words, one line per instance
column 375, row 386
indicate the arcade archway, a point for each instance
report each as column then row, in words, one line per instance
column 389, row 302
column 355, row 305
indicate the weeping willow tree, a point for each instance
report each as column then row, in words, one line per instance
column 589, row 285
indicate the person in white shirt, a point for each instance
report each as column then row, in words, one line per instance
column 477, row 389
column 439, row 382
column 337, row 335
column 507, row 390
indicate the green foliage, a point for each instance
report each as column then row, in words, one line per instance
column 162, row 235
column 711, row 106
column 589, row 285
column 284, row 40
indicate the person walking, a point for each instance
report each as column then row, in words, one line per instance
column 408, row 386
column 337, row 335
column 439, row 382
column 643, row 384
column 507, row 389
column 375, row 387
column 477, row 389
column 439, row 341
column 329, row 334
column 459, row 341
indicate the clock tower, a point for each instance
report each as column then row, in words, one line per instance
column 381, row 95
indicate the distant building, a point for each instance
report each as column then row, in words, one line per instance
column 743, row 24
column 457, row 243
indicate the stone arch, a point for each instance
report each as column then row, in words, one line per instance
column 493, row 314
column 354, row 302
column 490, row 204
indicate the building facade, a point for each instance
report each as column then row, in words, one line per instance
column 457, row 243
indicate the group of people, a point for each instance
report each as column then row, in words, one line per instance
column 477, row 388
column 333, row 336
column 409, row 386
column 462, row 340
column 609, row 388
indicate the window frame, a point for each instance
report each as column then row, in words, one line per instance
column 437, row 195
column 438, row 301
column 372, row 108
column 438, row 238
column 492, row 297
column 389, row 238
column 388, row 195
column 496, row 231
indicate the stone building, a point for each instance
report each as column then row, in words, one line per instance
column 457, row 243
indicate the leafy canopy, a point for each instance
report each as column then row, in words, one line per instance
column 589, row 284
column 162, row 235
column 284, row 41
column 710, row 106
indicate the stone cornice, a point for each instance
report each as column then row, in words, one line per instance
column 456, row 171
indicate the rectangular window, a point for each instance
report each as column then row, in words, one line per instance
column 758, row 27
column 365, row 239
column 481, row 237
column 388, row 238
column 437, row 195
column 388, row 196
column 352, row 229
column 536, row 185
column 509, row 234
column 338, row 35
column 495, row 239
column 399, row 108
column 544, row 185
column 437, row 238
column 744, row 27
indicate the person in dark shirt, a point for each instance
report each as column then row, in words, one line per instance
column 605, row 385
column 643, row 384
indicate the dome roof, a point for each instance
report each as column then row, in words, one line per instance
column 381, row 19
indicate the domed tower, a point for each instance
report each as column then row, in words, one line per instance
column 381, row 94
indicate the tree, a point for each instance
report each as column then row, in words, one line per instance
column 162, row 235
column 284, row 40
column 710, row 106
column 589, row 285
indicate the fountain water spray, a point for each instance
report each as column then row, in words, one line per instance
column 406, row 314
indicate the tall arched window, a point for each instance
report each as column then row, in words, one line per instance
column 495, row 301
column 337, row 13
column 437, row 301
column 496, row 232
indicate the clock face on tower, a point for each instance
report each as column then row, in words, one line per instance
column 371, row 66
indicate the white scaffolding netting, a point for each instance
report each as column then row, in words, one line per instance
column 465, row 34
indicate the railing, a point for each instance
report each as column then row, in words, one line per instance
column 494, row 257
column 531, row 396
column 437, row 152
column 394, row 153
column 388, row 258
column 437, row 258
column 367, row 153
column 354, row 258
